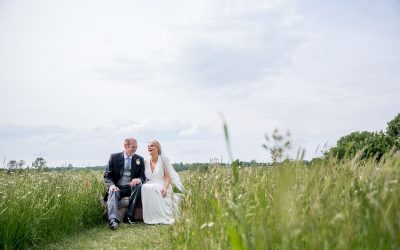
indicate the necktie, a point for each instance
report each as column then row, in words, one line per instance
column 128, row 163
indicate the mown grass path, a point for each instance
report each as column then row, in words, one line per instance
column 138, row 236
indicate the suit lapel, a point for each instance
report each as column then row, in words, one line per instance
column 121, row 164
column 133, row 162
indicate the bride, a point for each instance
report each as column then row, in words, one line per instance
column 159, row 202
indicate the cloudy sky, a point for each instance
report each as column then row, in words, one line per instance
column 77, row 77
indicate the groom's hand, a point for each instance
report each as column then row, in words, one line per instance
column 136, row 181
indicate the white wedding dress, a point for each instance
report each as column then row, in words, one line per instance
column 156, row 209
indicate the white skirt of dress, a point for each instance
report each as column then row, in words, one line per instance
column 156, row 209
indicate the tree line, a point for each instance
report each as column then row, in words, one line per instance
column 367, row 145
column 363, row 144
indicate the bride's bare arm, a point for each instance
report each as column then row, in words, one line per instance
column 167, row 181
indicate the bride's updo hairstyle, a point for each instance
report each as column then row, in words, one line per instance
column 157, row 144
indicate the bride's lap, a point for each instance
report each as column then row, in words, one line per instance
column 151, row 190
column 147, row 186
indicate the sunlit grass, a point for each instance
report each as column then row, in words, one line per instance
column 37, row 207
column 139, row 236
column 328, row 205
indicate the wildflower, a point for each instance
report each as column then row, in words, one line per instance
column 209, row 224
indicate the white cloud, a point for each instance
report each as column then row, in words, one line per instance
column 93, row 145
column 78, row 77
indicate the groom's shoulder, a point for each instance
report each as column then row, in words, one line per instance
column 115, row 155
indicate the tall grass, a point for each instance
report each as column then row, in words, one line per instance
column 328, row 205
column 37, row 207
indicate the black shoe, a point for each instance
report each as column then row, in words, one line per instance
column 113, row 224
column 130, row 220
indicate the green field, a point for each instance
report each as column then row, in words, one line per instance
column 328, row 205
column 325, row 205
column 39, row 207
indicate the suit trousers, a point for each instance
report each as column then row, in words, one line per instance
column 134, row 193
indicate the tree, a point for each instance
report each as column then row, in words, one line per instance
column 393, row 130
column 12, row 164
column 39, row 163
column 21, row 163
column 368, row 144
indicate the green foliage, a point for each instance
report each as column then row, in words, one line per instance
column 15, row 165
column 180, row 166
column 39, row 164
column 199, row 166
column 12, row 164
column 326, row 205
column 235, row 170
column 37, row 207
column 317, row 161
column 393, row 130
column 366, row 144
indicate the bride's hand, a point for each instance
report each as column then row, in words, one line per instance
column 164, row 192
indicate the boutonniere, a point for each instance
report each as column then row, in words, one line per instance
column 137, row 162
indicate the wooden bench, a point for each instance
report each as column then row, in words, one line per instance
column 123, row 206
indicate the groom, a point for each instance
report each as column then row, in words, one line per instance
column 123, row 177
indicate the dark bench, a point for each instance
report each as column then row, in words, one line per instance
column 123, row 206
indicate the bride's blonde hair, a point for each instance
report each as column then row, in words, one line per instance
column 157, row 144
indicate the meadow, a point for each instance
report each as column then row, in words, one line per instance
column 39, row 207
column 328, row 204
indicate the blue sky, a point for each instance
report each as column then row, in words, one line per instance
column 78, row 77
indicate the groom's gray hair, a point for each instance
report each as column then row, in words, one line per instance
column 129, row 140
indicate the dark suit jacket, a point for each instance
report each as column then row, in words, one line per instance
column 115, row 169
